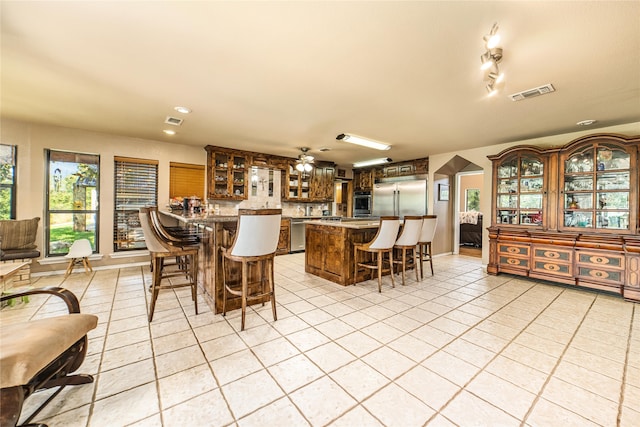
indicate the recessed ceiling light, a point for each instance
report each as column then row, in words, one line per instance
column 183, row 110
column 169, row 132
column 586, row 122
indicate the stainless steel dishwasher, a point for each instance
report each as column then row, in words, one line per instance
column 297, row 234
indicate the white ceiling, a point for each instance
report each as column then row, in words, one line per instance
column 274, row 76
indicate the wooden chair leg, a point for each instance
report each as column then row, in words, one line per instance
column 380, row 263
column 155, row 287
column 430, row 258
column 245, row 279
column 355, row 268
column 224, row 287
column 415, row 265
column 194, row 280
column 272, row 289
column 404, row 264
column 69, row 267
column 393, row 283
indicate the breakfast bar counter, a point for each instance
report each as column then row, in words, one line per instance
column 329, row 248
column 215, row 231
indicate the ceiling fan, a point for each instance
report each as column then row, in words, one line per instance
column 305, row 161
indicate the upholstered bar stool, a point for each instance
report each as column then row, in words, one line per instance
column 407, row 242
column 381, row 244
column 160, row 249
column 429, row 223
column 255, row 242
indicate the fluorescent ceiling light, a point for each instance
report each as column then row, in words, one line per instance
column 372, row 162
column 365, row 142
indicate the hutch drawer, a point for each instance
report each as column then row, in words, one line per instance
column 553, row 260
column 513, row 255
column 600, row 266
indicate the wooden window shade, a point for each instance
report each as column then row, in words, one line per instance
column 136, row 186
column 186, row 180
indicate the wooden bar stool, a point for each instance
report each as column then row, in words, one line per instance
column 407, row 241
column 382, row 243
column 160, row 249
column 255, row 242
column 429, row 224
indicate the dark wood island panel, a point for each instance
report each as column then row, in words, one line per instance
column 329, row 249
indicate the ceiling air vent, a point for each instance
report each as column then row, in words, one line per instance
column 173, row 121
column 531, row 93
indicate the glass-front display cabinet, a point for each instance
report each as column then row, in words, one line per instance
column 596, row 188
column 228, row 174
column 520, row 190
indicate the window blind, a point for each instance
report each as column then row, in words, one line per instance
column 186, row 180
column 136, row 186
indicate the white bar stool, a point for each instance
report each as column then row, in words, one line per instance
column 160, row 249
column 255, row 241
column 429, row 224
column 407, row 241
column 382, row 243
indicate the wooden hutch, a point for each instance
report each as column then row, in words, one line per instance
column 569, row 214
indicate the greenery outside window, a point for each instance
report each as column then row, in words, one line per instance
column 72, row 200
column 8, row 181
column 472, row 199
column 136, row 186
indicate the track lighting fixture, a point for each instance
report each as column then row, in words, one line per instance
column 490, row 60
column 304, row 162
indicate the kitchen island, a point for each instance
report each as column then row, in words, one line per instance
column 218, row 231
column 329, row 248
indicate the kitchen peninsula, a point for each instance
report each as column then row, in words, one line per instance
column 329, row 251
column 218, row 231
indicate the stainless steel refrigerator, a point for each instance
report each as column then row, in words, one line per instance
column 400, row 198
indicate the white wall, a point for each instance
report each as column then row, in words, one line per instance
column 32, row 141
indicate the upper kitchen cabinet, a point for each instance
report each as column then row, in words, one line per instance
column 313, row 186
column 227, row 173
column 363, row 179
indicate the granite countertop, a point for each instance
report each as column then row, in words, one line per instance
column 207, row 218
column 356, row 224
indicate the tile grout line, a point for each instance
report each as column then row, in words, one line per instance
column 626, row 367
column 558, row 361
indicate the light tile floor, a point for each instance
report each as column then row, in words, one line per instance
column 459, row 348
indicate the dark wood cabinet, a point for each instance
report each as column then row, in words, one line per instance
column 363, row 179
column 227, row 173
column 284, row 241
column 569, row 214
column 313, row 186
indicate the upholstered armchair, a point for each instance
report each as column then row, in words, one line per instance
column 41, row 354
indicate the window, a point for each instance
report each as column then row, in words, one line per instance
column 186, row 180
column 136, row 186
column 7, row 181
column 72, row 208
column 472, row 199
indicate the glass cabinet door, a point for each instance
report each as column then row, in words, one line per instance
column 596, row 188
column 519, row 190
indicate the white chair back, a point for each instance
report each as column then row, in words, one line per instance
column 429, row 224
column 80, row 249
column 387, row 233
column 151, row 241
column 410, row 231
column 257, row 234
